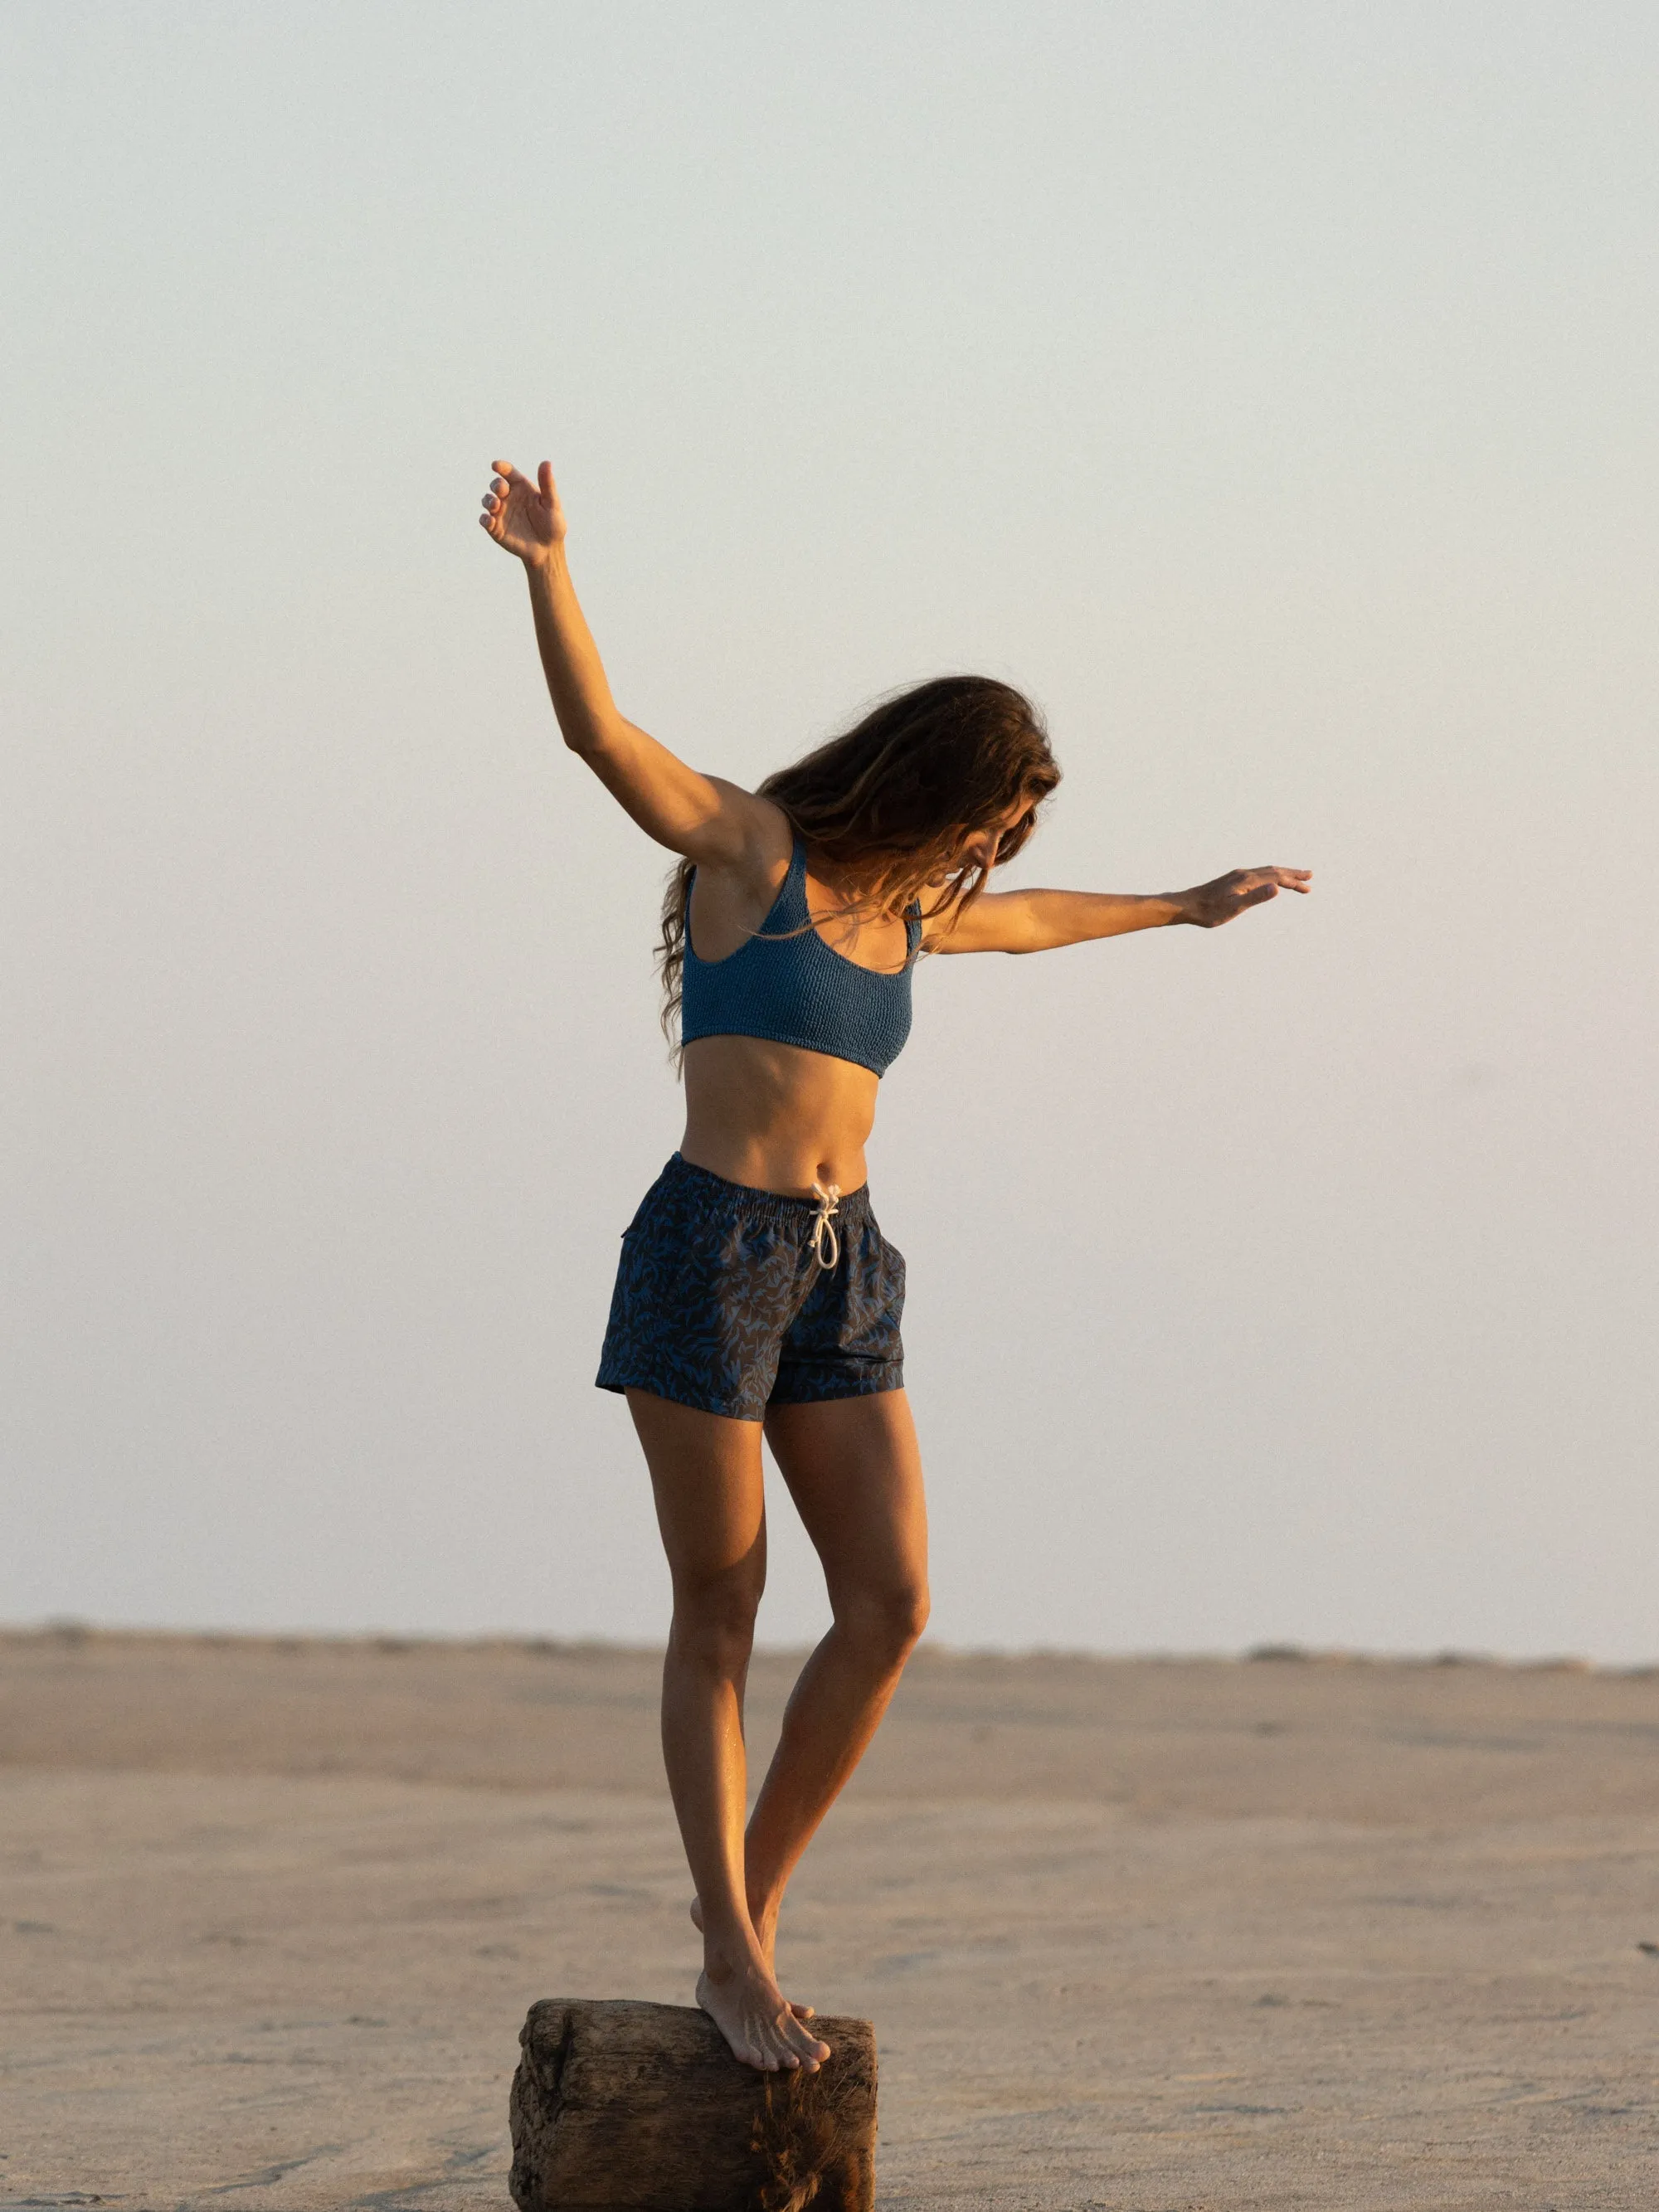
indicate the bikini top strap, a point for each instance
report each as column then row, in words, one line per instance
column 791, row 888
column 789, row 908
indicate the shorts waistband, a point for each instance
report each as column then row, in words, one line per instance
column 766, row 1205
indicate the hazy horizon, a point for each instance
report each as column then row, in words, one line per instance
column 72, row 1631
column 1273, row 398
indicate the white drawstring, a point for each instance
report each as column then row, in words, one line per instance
column 823, row 1232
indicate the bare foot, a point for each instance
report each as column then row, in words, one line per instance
column 750, row 2010
column 769, row 1943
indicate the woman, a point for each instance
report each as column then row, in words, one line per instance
column 756, row 1291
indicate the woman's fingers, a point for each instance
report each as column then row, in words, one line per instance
column 1229, row 895
column 506, row 480
column 511, row 478
column 1280, row 879
column 521, row 513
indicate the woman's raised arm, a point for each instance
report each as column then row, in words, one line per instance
column 709, row 820
column 1038, row 921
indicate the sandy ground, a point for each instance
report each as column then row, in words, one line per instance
column 1145, row 1936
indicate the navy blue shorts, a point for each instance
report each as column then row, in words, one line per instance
column 721, row 1304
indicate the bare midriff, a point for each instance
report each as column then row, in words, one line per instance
column 776, row 1117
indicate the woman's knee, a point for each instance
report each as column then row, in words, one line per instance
column 715, row 1622
column 886, row 1621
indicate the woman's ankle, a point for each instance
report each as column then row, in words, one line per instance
column 738, row 1950
column 763, row 1909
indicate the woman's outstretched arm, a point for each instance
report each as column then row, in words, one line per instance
column 709, row 820
column 1038, row 921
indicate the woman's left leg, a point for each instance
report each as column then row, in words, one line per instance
column 855, row 1471
column 706, row 1475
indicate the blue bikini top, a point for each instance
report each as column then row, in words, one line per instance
column 787, row 985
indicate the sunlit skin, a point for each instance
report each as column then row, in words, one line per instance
column 781, row 1119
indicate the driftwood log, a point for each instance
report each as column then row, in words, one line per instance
column 623, row 2107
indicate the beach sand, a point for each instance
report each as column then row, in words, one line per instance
column 1144, row 1935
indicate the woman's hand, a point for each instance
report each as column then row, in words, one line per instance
column 524, row 518
column 1211, row 904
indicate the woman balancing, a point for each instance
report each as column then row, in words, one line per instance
column 756, row 1293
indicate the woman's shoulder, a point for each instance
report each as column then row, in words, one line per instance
column 735, row 897
column 767, row 853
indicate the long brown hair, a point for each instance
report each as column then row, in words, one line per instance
column 893, row 798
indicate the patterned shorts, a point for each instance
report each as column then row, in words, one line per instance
column 721, row 1302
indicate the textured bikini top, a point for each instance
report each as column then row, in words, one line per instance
column 787, row 985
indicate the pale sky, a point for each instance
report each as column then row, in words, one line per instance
column 1272, row 391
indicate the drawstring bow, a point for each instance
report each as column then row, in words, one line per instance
column 823, row 1229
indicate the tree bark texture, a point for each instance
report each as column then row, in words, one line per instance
column 625, row 2107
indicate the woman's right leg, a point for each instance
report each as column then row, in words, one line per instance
column 707, row 1477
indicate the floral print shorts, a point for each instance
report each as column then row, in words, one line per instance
column 731, row 1299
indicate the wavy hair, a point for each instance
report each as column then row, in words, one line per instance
column 893, row 798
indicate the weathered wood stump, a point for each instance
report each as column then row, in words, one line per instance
column 624, row 2107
